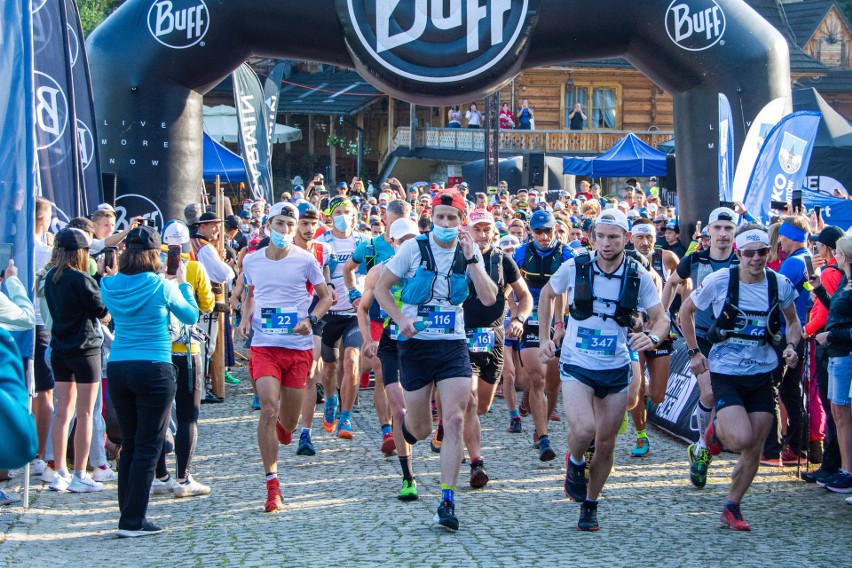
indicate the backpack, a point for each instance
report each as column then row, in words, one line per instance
column 628, row 299
column 420, row 288
column 724, row 327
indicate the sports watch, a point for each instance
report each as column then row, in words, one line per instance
column 313, row 319
column 472, row 260
column 521, row 319
column 693, row 352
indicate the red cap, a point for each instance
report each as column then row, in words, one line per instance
column 450, row 197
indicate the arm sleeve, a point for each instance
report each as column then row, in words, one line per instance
column 218, row 271
column 181, row 302
column 19, row 443
column 203, row 291
column 16, row 310
column 749, row 218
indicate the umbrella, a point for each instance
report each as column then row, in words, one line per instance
column 220, row 122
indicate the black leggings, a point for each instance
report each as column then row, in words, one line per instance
column 187, row 408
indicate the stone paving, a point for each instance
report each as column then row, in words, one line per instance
column 341, row 509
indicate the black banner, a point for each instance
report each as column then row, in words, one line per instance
column 676, row 414
column 271, row 96
column 253, row 122
column 492, row 142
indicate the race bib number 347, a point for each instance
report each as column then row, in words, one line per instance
column 595, row 341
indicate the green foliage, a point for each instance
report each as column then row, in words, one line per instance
column 845, row 7
column 93, row 12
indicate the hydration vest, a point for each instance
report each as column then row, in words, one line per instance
column 733, row 321
column 538, row 269
column 584, row 298
column 328, row 237
column 420, row 288
column 657, row 264
column 371, row 256
column 699, row 269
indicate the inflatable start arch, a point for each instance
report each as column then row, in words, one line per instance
column 152, row 60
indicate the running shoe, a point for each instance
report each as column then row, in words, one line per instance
column 48, row 475
column 104, row 474
column 575, row 480
column 190, row 488
column 699, row 462
column 284, row 435
column 320, row 394
column 306, row 448
column 478, row 476
column 524, row 406
column 555, row 417
column 771, row 462
column 437, row 439
column 588, row 517
column 535, row 439
column 8, row 498
column 162, row 487
column 388, row 445
column 273, row 496
column 642, row 448
column 344, row 430
column 789, row 457
column 545, row 451
column 816, row 475
column 60, row 482
column 408, row 491
column 84, row 485
column 515, row 426
column 446, row 516
column 255, row 402
column 714, row 446
column 231, row 379
column 732, row 517
column 147, row 529
column 37, row 467
column 329, row 422
column 841, row 484
column 826, row 481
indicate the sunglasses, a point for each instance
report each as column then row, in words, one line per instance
column 543, row 231
column 750, row 253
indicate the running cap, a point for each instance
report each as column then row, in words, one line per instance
column 723, row 214
column 176, row 233
column 403, row 227
column 478, row 216
column 613, row 217
column 282, row 208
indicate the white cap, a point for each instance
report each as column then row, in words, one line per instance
column 651, row 208
column 613, row 217
column 175, row 233
column 383, row 196
column 106, row 207
column 283, row 208
column 403, row 227
column 723, row 214
column 632, row 214
column 508, row 242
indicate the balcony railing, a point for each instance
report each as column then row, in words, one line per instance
column 550, row 141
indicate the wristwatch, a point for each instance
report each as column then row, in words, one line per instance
column 693, row 352
column 654, row 338
column 313, row 319
column 472, row 260
column 521, row 319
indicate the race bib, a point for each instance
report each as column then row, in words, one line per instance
column 595, row 341
column 480, row 340
column 754, row 327
column 533, row 319
column 278, row 321
column 442, row 320
column 393, row 331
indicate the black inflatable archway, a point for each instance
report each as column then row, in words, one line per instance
column 152, row 61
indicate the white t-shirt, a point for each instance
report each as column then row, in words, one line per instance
column 740, row 356
column 42, row 257
column 440, row 311
column 597, row 343
column 472, row 118
column 342, row 251
column 281, row 296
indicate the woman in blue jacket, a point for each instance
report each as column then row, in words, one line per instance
column 140, row 369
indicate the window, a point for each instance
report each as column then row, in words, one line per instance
column 602, row 113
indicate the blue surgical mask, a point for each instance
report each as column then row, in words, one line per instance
column 541, row 248
column 280, row 240
column 341, row 223
column 445, row 234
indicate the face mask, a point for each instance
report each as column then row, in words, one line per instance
column 445, row 234
column 280, row 240
column 541, row 248
column 341, row 223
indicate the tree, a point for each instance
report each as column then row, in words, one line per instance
column 93, row 12
column 845, row 7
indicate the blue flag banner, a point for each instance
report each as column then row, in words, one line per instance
column 271, row 96
column 726, row 150
column 835, row 210
column 252, row 120
column 782, row 163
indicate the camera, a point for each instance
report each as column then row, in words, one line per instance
column 147, row 222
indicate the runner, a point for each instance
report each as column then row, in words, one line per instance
column 340, row 325
column 484, row 329
column 656, row 361
column 538, row 260
column 276, row 310
column 385, row 350
column 746, row 301
column 605, row 290
column 434, row 271
column 691, row 272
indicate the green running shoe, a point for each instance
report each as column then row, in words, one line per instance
column 231, row 379
column 699, row 462
column 408, row 491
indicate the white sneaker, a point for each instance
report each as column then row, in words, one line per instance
column 38, row 467
column 162, row 487
column 849, row 500
column 191, row 488
column 60, row 482
column 48, row 475
column 8, row 498
column 104, row 475
column 84, row 485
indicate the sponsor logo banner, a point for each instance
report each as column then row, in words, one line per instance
column 695, row 25
column 179, row 24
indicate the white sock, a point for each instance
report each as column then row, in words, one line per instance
column 79, row 474
column 575, row 462
column 703, row 415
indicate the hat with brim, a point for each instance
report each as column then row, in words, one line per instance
column 143, row 237
column 208, row 218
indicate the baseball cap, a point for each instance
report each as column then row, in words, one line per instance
column 143, row 238
column 478, row 216
column 829, row 236
column 543, row 219
column 341, row 184
column 464, row 185
column 245, row 214
column 673, row 225
column 286, row 209
column 307, row 211
column 661, row 218
column 451, row 198
column 652, row 178
column 403, row 227
column 633, row 214
column 71, row 239
column 175, row 233
column 105, row 207
column 723, row 214
column 232, row 222
column 651, row 208
column 613, row 217
column 558, row 206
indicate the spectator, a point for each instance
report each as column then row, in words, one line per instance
column 474, row 117
column 577, row 117
column 19, row 442
column 454, row 117
column 525, row 116
column 507, row 121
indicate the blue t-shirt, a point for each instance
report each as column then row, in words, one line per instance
column 795, row 270
column 381, row 250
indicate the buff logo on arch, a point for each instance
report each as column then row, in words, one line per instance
column 695, row 25
column 178, row 23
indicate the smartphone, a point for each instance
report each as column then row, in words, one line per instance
column 5, row 257
column 816, row 210
column 109, row 257
column 809, row 266
column 173, row 260
column 147, row 222
column 797, row 198
column 728, row 204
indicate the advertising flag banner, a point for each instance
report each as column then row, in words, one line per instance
column 252, row 120
column 271, row 96
column 726, row 150
column 758, row 128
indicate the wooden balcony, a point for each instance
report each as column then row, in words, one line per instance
column 555, row 142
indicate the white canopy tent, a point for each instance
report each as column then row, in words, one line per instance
column 220, row 122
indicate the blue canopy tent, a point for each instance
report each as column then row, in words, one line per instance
column 629, row 157
column 220, row 161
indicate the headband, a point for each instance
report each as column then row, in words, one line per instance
column 793, row 233
column 644, row 229
column 339, row 203
column 752, row 236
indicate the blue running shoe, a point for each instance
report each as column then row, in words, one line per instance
column 306, row 448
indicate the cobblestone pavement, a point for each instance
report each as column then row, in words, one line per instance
column 341, row 509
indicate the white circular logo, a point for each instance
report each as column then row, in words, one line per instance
column 695, row 25
column 178, row 23
column 38, row 5
column 73, row 45
column 133, row 204
column 51, row 110
column 85, row 144
column 437, row 41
